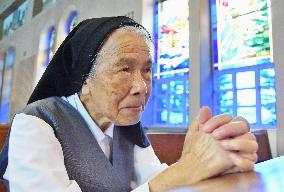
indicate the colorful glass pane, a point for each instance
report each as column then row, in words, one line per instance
column 243, row 33
column 173, row 37
column 225, row 82
column 7, row 86
column 16, row 19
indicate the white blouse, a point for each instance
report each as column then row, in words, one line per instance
column 36, row 162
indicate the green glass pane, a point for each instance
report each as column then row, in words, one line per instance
column 225, row 82
column 225, row 98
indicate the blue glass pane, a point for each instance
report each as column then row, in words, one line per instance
column 162, row 88
column 268, row 115
column 267, row 96
column 228, row 110
column 161, row 117
column 225, row 82
column 4, row 112
column 177, row 87
column 267, row 77
column 245, row 79
column 176, row 118
column 161, row 103
column 186, row 87
column 225, row 98
column 248, row 112
column 246, row 97
column 186, row 102
column 72, row 21
column 176, row 102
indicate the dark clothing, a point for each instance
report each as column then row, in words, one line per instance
column 84, row 160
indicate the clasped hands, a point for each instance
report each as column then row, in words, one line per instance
column 213, row 146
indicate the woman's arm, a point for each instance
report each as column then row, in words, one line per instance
column 35, row 158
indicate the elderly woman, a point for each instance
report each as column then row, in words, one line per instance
column 81, row 129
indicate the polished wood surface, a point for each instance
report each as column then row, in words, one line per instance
column 267, row 177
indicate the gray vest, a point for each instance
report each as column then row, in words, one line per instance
column 84, row 160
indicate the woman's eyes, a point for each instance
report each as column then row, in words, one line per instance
column 148, row 69
column 125, row 69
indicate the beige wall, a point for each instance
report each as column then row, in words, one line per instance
column 27, row 38
column 278, row 46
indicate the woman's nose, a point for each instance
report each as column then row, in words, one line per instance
column 139, row 85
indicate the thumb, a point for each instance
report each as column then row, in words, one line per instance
column 204, row 115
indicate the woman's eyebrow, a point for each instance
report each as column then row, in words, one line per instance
column 131, row 61
column 126, row 61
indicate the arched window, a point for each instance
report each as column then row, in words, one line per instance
column 72, row 21
column 6, row 89
column 51, row 45
column 244, row 77
column 168, row 105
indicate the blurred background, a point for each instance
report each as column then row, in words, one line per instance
column 226, row 54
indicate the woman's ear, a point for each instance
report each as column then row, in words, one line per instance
column 85, row 88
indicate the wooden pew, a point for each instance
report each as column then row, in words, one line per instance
column 168, row 147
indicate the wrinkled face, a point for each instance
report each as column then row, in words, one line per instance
column 122, row 83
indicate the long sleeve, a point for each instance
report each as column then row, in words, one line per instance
column 146, row 166
column 35, row 158
column 36, row 162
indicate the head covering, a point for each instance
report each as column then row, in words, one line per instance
column 72, row 61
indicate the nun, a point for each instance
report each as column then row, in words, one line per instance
column 81, row 130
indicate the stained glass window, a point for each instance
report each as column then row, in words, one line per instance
column 169, row 100
column 7, row 85
column 16, row 19
column 72, row 21
column 45, row 3
column 51, row 45
column 244, row 75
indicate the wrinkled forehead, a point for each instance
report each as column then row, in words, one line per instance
column 125, row 38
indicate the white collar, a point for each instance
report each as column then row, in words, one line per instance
column 75, row 101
